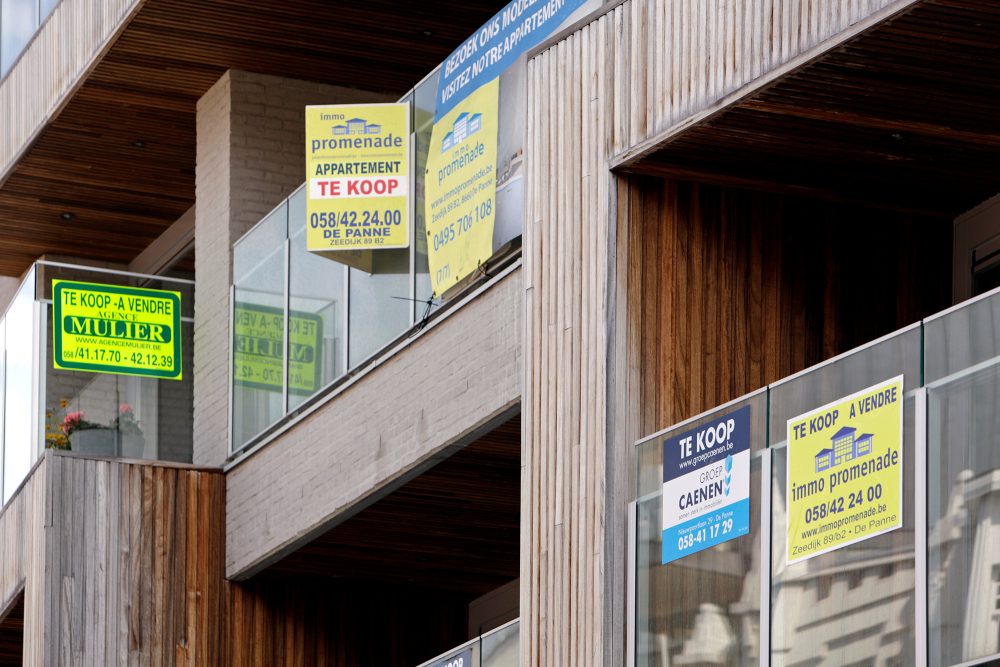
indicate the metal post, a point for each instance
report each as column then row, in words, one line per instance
column 288, row 328
column 920, row 524
column 412, row 222
column 630, row 575
column 764, row 641
column 232, row 364
column 347, row 319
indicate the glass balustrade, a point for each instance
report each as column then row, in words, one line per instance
column 927, row 592
column 497, row 648
column 99, row 414
column 327, row 317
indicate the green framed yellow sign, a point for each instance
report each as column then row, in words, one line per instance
column 259, row 348
column 114, row 329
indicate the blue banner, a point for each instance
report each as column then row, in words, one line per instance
column 513, row 30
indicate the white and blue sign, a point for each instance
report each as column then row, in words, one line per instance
column 516, row 28
column 706, row 485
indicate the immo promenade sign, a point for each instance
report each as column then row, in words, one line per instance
column 114, row 329
column 357, row 165
column 845, row 471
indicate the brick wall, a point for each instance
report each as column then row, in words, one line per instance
column 251, row 135
column 439, row 390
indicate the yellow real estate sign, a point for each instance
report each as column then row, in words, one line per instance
column 845, row 471
column 358, row 176
column 115, row 329
column 461, row 188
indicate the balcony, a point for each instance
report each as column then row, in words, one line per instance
column 325, row 320
column 925, row 593
column 96, row 414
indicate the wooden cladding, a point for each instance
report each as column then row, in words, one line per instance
column 734, row 289
column 23, row 525
column 122, row 563
column 51, row 66
column 607, row 93
column 318, row 621
column 678, row 58
column 564, row 404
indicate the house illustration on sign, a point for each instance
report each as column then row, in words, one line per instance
column 465, row 126
column 845, row 447
column 357, row 126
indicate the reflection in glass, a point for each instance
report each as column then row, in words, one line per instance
column 317, row 289
column 854, row 605
column 963, row 569
column 18, row 20
column 259, row 326
column 704, row 608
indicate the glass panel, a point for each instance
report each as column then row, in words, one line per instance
column 379, row 304
column 19, row 448
column 47, row 6
column 117, row 415
column 963, row 568
column 166, row 407
column 511, row 134
column 18, row 21
column 423, row 122
column 317, row 316
column 259, row 326
column 704, row 608
column 962, row 338
column 854, row 605
column 501, row 648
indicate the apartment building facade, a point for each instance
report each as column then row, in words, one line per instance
column 708, row 215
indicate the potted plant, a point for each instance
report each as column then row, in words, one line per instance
column 87, row 437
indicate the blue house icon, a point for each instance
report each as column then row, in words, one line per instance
column 844, row 447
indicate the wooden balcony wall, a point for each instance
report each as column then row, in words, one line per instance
column 121, row 563
column 615, row 88
column 23, row 524
column 69, row 43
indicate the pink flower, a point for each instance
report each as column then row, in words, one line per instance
column 124, row 408
column 71, row 421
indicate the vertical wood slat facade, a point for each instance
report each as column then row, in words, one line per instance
column 637, row 71
column 123, row 563
column 54, row 63
column 314, row 621
column 680, row 58
column 738, row 289
column 23, row 524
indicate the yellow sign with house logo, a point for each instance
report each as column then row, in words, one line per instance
column 461, row 188
column 357, row 176
column 845, row 471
